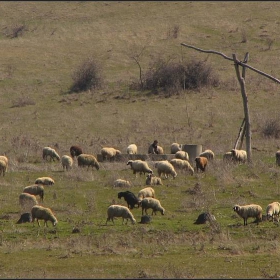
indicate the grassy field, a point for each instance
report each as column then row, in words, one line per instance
column 37, row 110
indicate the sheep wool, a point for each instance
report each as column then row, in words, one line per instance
column 277, row 158
column 67, row 162
column 110, row 153
column 43, row 213
column 165, row 168
column 152, row 180
column 4, row 158
column 209, row 154
column 151, row 203
column 27, row 201
column 175, row 147
column 88, row 160
column 182, row 164
column 273, row 211
column 50, row 153
column 146, row 192
column 120, row 183
column 131, row 149
column 239, row 156
column 201, row 163
column 35, row 189
column 249, row 211
column 3, row 167
column 119, row 211
column 46, row 181
column 139, row 166
column 130, row 199
column 182, row 155
column 75, row 151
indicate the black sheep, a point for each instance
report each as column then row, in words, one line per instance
column 130, row 198
column 75, row 151
column 24, row 218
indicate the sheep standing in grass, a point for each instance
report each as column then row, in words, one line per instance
column 67, row 162
column 27, row 201
column 182, row 164
column 35, row 190
column 4, row 158
column 110, row 153
column 239, row 156
column 273, row 211
column 209, row 154
column 3, row 167
column 75, row 151
column 119, row 211
column 201, row 163
column 152, row 203
column 152, row 180
column 146, row 192
column 139, row 166
column 277, row 157
column 46, row 181
column 249, row 211
column 43, row 213
column 88, row 160
column 182, row 155
column 165, row 168
column 120, row 183
column 130, row 199
column 175, row 147
column 160, row 150
column 48, row 152
column 131, row 149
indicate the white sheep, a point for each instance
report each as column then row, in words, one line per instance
column 152, row 203
column 165, row 168
column 182, row 155
column 109, row 153
column 35, row 190
column 43, row 213
column 119, row 211
column 277, row 157
column 4, row 158
column 209, row 154
column 120, row 183
column 88, row 160
column 182, row 164
column 247, row 211
column 51, row 153
column 175, row 147
column 27, row 201
column 46, row 181
column 239, row 156
column 67, row 162
column 131, row 149
column 273, row 211
column 227, row 157
column 146, row 192
column 153, row 180
column 160, row 150
column 139, row 166
column 3, row 167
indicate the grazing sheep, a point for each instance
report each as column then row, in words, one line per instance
column 130, row 199
column 247, row 211
column 43, row 213
column 67, row 162
column 146, row 192
column 273, row 211
column 152, row 180
column 46, row 181
column 175, row 147
column 4, row 158
column 119, row 211
column 3, row 167
column 182, row 155
column 204, row 217
column 75, row 151
column 182, row 164
column 120, row 183
column 131, row 149
column 88, row 160
column 165, row 168
column 51, row 153
column 24, row 218
column 110, row 153
column 208, row 154
column 27, row 201
column 160, row 150
column 239, row 156
column 201, row 163
column 139, row 166
column 152, row 203
column 35, row 190
column 227, row 157
column 277, row 157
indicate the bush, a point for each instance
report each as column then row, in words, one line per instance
column 88, row 76
column 171, row 76
column 271, row 128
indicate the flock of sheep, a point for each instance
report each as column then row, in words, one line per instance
column 145, row 199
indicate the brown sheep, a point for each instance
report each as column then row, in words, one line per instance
column 201, row 163
column 75, row 151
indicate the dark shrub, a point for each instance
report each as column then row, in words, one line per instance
column 271, row 128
